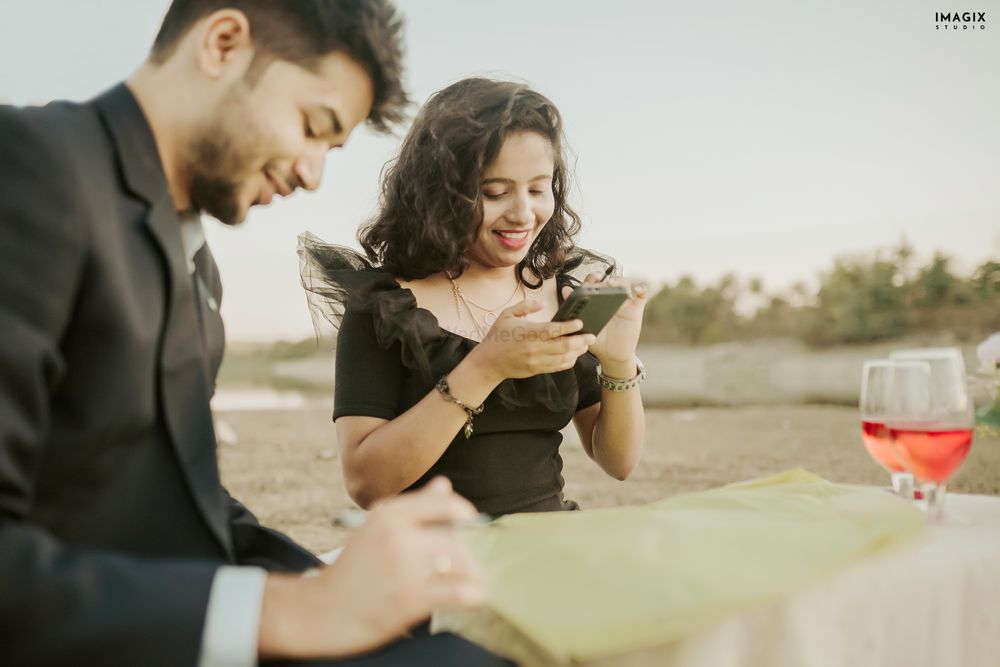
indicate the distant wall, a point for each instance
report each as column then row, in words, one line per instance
column 316, row 370
column 762, row 372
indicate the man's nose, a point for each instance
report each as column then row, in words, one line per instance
column 309, row 167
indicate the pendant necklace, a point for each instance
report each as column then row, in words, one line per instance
column 489, row 314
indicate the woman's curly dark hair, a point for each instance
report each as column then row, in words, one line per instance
column 431, row 203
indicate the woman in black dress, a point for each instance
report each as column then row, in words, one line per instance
column 447, row 361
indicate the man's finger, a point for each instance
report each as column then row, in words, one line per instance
column 455, row 595
column 440, row 484
column 432, row 504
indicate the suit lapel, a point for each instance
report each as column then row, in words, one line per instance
column 185, row 387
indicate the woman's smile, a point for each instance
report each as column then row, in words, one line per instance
column 513, row 239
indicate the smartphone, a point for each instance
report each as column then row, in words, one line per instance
column 595, row 306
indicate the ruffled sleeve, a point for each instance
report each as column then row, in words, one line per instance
column 331, row 275
column 338, row 279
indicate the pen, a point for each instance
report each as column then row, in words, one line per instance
column 352, row 519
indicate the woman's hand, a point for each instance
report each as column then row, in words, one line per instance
column 615, row 346
column 515, row 347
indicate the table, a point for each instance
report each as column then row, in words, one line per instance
column 932, row 601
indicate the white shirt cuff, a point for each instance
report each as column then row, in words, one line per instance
column 232, row 622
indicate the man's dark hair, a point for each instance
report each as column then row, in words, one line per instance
column 431, row 202
column 304, row 31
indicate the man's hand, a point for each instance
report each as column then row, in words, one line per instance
column 394, row 571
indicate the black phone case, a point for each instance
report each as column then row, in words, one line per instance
column 595, row 306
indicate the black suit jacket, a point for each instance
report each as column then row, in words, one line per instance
column 112, row 517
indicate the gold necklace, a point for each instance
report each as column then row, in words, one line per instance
column 460, row 300
column 490, row 314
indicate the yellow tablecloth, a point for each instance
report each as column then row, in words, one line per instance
column 592, row 584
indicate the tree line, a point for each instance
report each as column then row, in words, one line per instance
column 879, row 297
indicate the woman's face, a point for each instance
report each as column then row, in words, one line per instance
column 517, row 200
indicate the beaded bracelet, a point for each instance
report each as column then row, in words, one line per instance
column 618, row 384
column 445, row 390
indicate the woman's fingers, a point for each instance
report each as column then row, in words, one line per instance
column 524, row 347
column 576, row 343
column 537, row 331
column 562, row 353
column 559, row 329
column 521, row 308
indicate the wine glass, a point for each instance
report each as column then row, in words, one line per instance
column 876, row 392
column 931, row 419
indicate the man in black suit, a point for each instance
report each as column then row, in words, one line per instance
column 118, row 545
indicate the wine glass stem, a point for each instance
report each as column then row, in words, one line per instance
column 902, row 484
column 934, row 498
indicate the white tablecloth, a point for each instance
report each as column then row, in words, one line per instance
column 934, row 601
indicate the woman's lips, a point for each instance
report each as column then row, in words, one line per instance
column 512, row 239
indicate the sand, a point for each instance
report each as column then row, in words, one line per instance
column 285, row 465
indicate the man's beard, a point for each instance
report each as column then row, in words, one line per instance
column 219, row 155
column 214, row 161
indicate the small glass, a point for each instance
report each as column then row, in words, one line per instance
column 876, row 394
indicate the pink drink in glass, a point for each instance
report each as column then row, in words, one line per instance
column 878, row 441
column 931, row 454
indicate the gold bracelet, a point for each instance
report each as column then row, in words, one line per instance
column 470, row 412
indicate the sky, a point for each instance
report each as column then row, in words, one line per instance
column 763, row 139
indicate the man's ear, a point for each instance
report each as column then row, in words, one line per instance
column 224, row 47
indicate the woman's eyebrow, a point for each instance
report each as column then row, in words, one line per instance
column 510, row 180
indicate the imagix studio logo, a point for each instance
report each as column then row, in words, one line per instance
column 960, row 20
